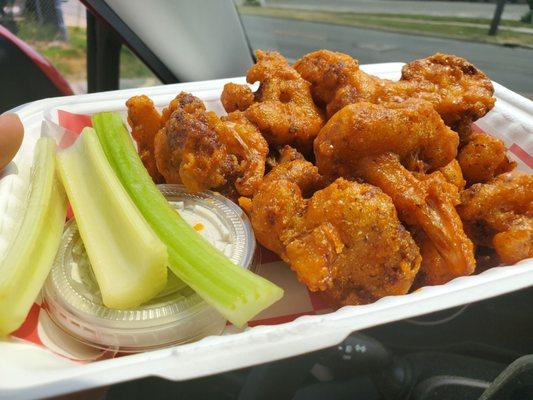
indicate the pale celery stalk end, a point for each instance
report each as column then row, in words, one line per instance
column 244, row 312
column 128, row 259
column 31, row 254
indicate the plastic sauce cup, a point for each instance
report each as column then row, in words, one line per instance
column 177, row 315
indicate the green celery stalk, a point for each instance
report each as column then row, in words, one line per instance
column 128, row 259
column 235, row 292
column 29, row 259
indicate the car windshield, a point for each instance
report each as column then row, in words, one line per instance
column 377, row 31
column 494, row 35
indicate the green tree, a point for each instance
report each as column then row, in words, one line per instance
column 528, row 17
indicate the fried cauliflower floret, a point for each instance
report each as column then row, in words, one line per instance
column 236, row 97
column 278, row 222
column 483, row 158
column 426, row 203
column 189, row 151
column 453, row 173
column 246, row 142
column 184, row 101
column 433, row 270
column 202, row 151
column 167, row 150
column 499, row 214
column 288, row 153
column 328, row 71
column 145, row 122
column 345, row 241
column 411, row 129
column 376, row 143
column 457, row 89
column 280, row 155
column 283, row 108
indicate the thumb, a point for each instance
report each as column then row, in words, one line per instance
column 11, row 135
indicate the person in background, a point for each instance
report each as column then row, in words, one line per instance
column 48, row 12
column 60, row 22
column 3, row 5
column 6, row 18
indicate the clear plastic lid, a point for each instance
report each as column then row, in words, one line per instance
column 177, row 315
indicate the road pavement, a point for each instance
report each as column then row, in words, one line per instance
column 512, row 67
column 435, row 8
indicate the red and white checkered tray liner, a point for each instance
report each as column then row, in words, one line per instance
column 299, row 323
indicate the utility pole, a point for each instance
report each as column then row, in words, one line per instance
column 497, row 17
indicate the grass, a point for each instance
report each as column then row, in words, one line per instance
column 419, row 24
column 481, row 21
column 70, row 58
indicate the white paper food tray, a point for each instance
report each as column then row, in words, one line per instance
column 29, row 371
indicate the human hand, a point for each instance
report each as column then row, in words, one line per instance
column 11, row 135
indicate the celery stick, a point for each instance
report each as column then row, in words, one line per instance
column 31, row 254
column 236, row 293
column 128, row 259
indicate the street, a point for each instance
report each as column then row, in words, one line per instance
column 511, row 67
column 435, row 8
